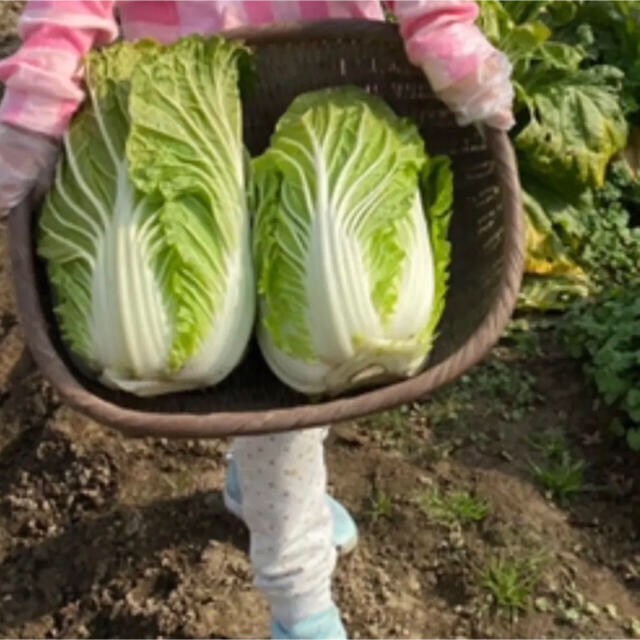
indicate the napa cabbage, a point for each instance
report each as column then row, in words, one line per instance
column 145, row 232
column 350, row 243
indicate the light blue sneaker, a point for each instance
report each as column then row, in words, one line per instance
column 345, row 532
column 325, row 625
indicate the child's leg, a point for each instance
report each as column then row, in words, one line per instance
column 283, row 482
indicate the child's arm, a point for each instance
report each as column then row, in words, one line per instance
column 43, row 89
column 466, row 72
column 27, row 161
column 42, row 78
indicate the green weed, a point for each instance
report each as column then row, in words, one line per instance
column 561, row 477
column 381, row 506
column 551, row 443
column 559, row 473
column 511, row 580
column 459, row 507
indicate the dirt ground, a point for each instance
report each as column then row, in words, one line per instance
column 496, row 509
column 9, row 12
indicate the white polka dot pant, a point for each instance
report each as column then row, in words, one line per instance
column 283, row 481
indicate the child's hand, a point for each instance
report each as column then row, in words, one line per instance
column 484, row 96
column 27, row 161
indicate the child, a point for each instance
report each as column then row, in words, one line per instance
column 276, row 484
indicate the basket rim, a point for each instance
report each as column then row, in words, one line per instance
column 137, row 423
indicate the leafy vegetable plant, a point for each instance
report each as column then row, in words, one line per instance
column 576, row 73
column 606, row 334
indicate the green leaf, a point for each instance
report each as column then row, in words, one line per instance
column 517, row 41
column 633, row 439
column 562, row 13
column 437, row 186
column 559, row 55
column 522, row 41
column 550, row 293
column 554, row 234
column 576, row 126
column 437, row 194
column 632, row 403
column 617, row 428
column 526, row 10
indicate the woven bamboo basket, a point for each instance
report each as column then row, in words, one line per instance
column 487, row 238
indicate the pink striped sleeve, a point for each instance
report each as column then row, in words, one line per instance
column 442, row 33
column 43, row 77
column 464, row 70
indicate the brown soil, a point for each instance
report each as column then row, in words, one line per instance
column 101, row 536
column 9, row 12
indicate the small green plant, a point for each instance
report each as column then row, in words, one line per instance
column 551, row 443
column 561, row 477
column 459, row 507
column 511, row 580
column 559, row 473
column 381, row 505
